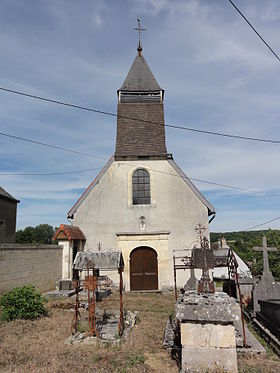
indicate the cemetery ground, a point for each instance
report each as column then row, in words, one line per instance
column 39, row 346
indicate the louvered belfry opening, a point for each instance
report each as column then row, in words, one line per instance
column 140, row 124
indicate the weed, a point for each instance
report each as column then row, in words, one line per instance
column 96, row 358
column 262, row 341
column 82, row 327
column 22, row 303
column 133, row 360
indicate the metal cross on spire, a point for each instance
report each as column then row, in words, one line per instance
column 139, row 29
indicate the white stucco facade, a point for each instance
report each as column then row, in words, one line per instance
column 107, row 215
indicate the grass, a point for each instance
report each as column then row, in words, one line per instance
column 259, row 364
column 39, row 346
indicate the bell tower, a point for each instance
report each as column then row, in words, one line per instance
column 140, row 123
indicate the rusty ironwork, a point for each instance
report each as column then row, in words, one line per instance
column 91, row 286
column 175, row 278
column 92, row 283
column 232, row 272
column 121, row 320
column 77, row 315
column 204, row 259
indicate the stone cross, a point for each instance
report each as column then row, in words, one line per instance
column 265, row 249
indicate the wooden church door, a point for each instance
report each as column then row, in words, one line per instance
column 143, row 269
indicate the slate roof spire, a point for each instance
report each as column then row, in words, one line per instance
column 140, row 126
column 140, row 77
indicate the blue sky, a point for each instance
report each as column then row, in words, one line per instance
column 217, row 75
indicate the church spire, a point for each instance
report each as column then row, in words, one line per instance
column 140, row 126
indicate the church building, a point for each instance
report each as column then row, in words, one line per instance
column 141, row 202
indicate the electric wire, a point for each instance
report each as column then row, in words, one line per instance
column 32, row 141
column 49, row 145
column 50, row 173
column 253, row 28
column 128, row 164
column 179, row 127
column 260, row 225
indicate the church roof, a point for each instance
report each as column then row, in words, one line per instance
column 7, row 195
column 211, row 208
column 140, row 78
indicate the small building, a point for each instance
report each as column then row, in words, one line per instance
column 72, row 240
column 8, row 217
column 221, row 273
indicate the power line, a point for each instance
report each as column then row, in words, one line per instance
column 200, row 180
column 253, row 28
column 179, row 127
column 93, row 156
column 225, row 185
column 50, row 173
column 266, row 222
column 49, row 145
column 32, row 141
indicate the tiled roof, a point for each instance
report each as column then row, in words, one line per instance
column 140, row 78
column 70, row 231
column 5, row 194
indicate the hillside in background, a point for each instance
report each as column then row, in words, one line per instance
column 242, row 243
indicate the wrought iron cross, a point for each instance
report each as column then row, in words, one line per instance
column 200, row 229
column 265, row 249
column 139, row 29
column 204, row 258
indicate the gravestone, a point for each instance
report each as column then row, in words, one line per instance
column 207, row 332
column 266, row 287
column 192, row 281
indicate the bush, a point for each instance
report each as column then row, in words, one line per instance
column 22, row 303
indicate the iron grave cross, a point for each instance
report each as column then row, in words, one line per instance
column 204, row 258
column 139, row 29
column 265, row 249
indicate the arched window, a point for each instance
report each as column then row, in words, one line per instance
column 141, row 191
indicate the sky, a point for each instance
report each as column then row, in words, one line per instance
column 217, row 76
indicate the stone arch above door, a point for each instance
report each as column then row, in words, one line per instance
column 143, row 269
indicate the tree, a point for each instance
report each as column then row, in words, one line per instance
column 243, row 242
column 41, row 234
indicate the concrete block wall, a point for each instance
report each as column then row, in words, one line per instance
column 38, row 265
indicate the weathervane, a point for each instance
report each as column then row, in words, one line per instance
column 139, row 29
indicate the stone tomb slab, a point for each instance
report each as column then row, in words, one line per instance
column 207, row 332
column 107, row 326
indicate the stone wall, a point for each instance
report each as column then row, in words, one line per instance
column 39, row 265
